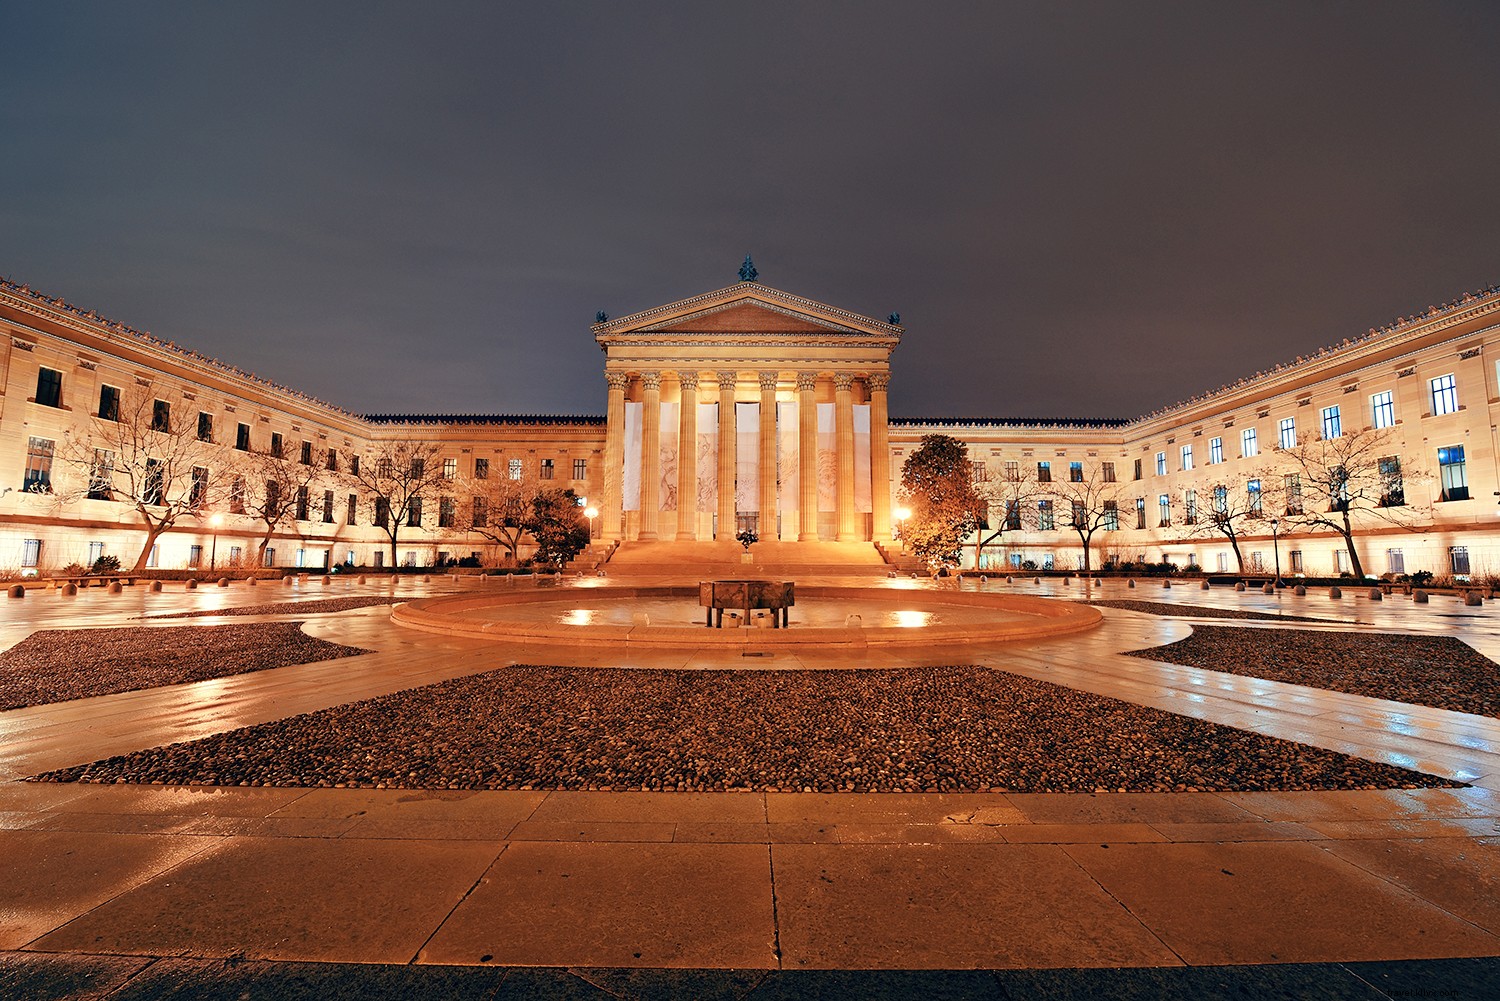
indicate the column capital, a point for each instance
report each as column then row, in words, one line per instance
column 650, row 381
column 879, row 382
column 768, row 380
column 726, row 380
column 807, row 382
column 617, row 380
column 843, row 382
column 687, row 380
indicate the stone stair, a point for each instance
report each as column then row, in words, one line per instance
column 902, row 562
column 783, row 560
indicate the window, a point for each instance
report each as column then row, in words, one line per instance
column 328, row 507
column 1249, row 448
column 418, row 467
column 1138, row 469
column 1223, row 561
column 49, row 387
column 1012, row 472
column 31, row 553
column 978, row 472
column 236, row 555
column 546, row 470
column 276, row 444
column 1333, row 427
column 305, row 455
column 1049, row 561
column 1190, row 508
column 513, row 469
column 353, row 508
column 1044, row 472
column 481, row 469
column 301, row 558
column 1215, row 451
column 1075, row 472
column 1161, row 464
column 1164, row 503
column 446, row 512
column 1382, row 411
column 109, row 403
column 1111, row 516
column 96, row 552
column 38, row 477
column 1338, row 489
column 410, row 558
column 161, row 415
column 1287, row 436
column 1221, row 501
column 205, row 426
column 382, row 512
column 1392, row 491
column 1013, row 516
column 331, row 462
column 153, row 560
column 195, row 557
column 479, row 513
column 580, row 469
column 1187, row 457
column 450, row 468
column 1080, row 516
column 1107, row 471
column 237, row 495
column 414, row 513
column 1140, row 512
column 273, row 496
column 242, row 437
column 1044, row 521
column 1296, row 556
column 1444, row 395
column 353, row 465
column 152, row 485
column 269, row 560
column 1292, row 484
column 1395, row 561
column 302, row 503
column 1253, row 498
column 1458, row 560
column 1454, row 477
column 1257, row 562
column 198, row 490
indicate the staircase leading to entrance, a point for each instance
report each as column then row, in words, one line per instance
column 708, row 560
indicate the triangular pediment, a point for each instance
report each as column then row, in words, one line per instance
column 746, row 317
column 748, row 308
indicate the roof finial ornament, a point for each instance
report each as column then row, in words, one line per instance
column 747, row 270
column 894, row 319
column 601, row 316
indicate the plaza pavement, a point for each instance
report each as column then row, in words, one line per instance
column 1238, row 883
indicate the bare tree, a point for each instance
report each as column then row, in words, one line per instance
column 273, row 489
column 397, row 474
column 147, row 458
column 1091, row 504
column 1232, row 507
column 1012, row 501
column 500, row 509
column 1333, row 484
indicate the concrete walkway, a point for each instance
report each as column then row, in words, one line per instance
column 748, row 881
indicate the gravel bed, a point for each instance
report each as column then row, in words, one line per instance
column 1198, row 611
column 293, row 607
column 1437, row 671
column 918, row 729
column 55, row 665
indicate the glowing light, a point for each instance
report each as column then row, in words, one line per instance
column 578, row 617
column 912, row 619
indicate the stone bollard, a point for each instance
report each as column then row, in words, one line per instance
column 640, row 618
column 363, row 579
column 115, row 588
column 1009, row 579
column 1268, row 589
column 329, row 580
column 1036, row 580
column 223, row 581
column 16, row 591
column 1239, row 585
column 69, row 589
column 1130, row 582
column 1067, row 581
column 252, row 581
column 1473, row 598
column 156, row 586
column 287, row 580
column 1376, row 595
column 1098, row 582
column 983, row 580
column 1166, row 583
column 853, row 622
column 1334, row 592
column 1205, row 584
column 1419, row 596
column 1300, row 590
column 190, row 585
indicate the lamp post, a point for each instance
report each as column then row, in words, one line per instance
column 1276, row 551
column 902, row 513
column 591, row 513
column 213, row 553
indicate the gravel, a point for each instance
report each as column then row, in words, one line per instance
column 1198, row 611
column 291, row 607
column 55, row 665
column 934, row 729
column 1437, row 671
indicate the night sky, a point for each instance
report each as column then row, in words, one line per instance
column 1080, row 210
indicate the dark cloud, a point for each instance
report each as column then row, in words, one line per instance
column 1079, row 209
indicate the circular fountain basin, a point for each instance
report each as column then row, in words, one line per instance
column 667, row 617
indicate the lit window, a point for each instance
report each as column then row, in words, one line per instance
column 38, row 476
column 198, row 489
column 1395, row 561
column 1012, row 472
column 1164, row 502
column 1187, row 457
column 1013, row 516
column 580, row 469
column 1332, row 425
column 1215, row 451
column 1382, row 410
column 1296, row 561
column 49, row 387
column 1392, row 490
column 31, row 553
column 978, row 472
column 1455, row 478
column 1140, row 512
column 1044, row 472
column 1248, row 446
column 1458, row 560
column 195, row 557
column 450, row 468
column 1111, row 516
column 1287, row 437
column 513, row 469
column 1444, row 395
column 1292, row 485
column 1190, row 508
column 96, row 552
column 1252, row 497
column 1221, row 500
column 1075, row 472
column 1044, row 521
column 1161, row 464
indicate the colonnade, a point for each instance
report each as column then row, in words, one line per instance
column 848, row 525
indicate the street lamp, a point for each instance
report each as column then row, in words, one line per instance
column 591, row 513
column 902, row 513
column 213, row 553
column 1276, row 551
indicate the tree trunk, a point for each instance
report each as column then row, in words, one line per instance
column 1239, row 557
column 1359, row 571
column 153, row 532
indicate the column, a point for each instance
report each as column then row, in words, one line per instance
column 726, row 457
column 843, row 428
column 807, row 456
column 687, row 456
column 650, row 456
column 880, row 456
column 613, row 505
column 767, row 527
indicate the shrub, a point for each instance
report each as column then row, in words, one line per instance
column 106, row 565
column 1422, row 578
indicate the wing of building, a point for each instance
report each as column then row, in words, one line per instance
column 748, row 407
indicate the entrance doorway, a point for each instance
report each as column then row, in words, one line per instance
column 747, row 521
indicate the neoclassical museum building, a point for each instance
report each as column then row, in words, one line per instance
column 751, row 407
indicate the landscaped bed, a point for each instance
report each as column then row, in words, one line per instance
column 1437, row 671
column 55, row 665
column 915, row 729
column 312, row 607
column 1196, row 611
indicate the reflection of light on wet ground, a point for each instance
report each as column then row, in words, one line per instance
column 578, row 617
column 911, row 618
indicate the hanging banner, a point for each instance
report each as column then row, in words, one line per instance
column 708, row 457
column 747, row 456
column 670, row 429
column 862, row 458
column 631, row 487
column 828, row 459
column 789, row 469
